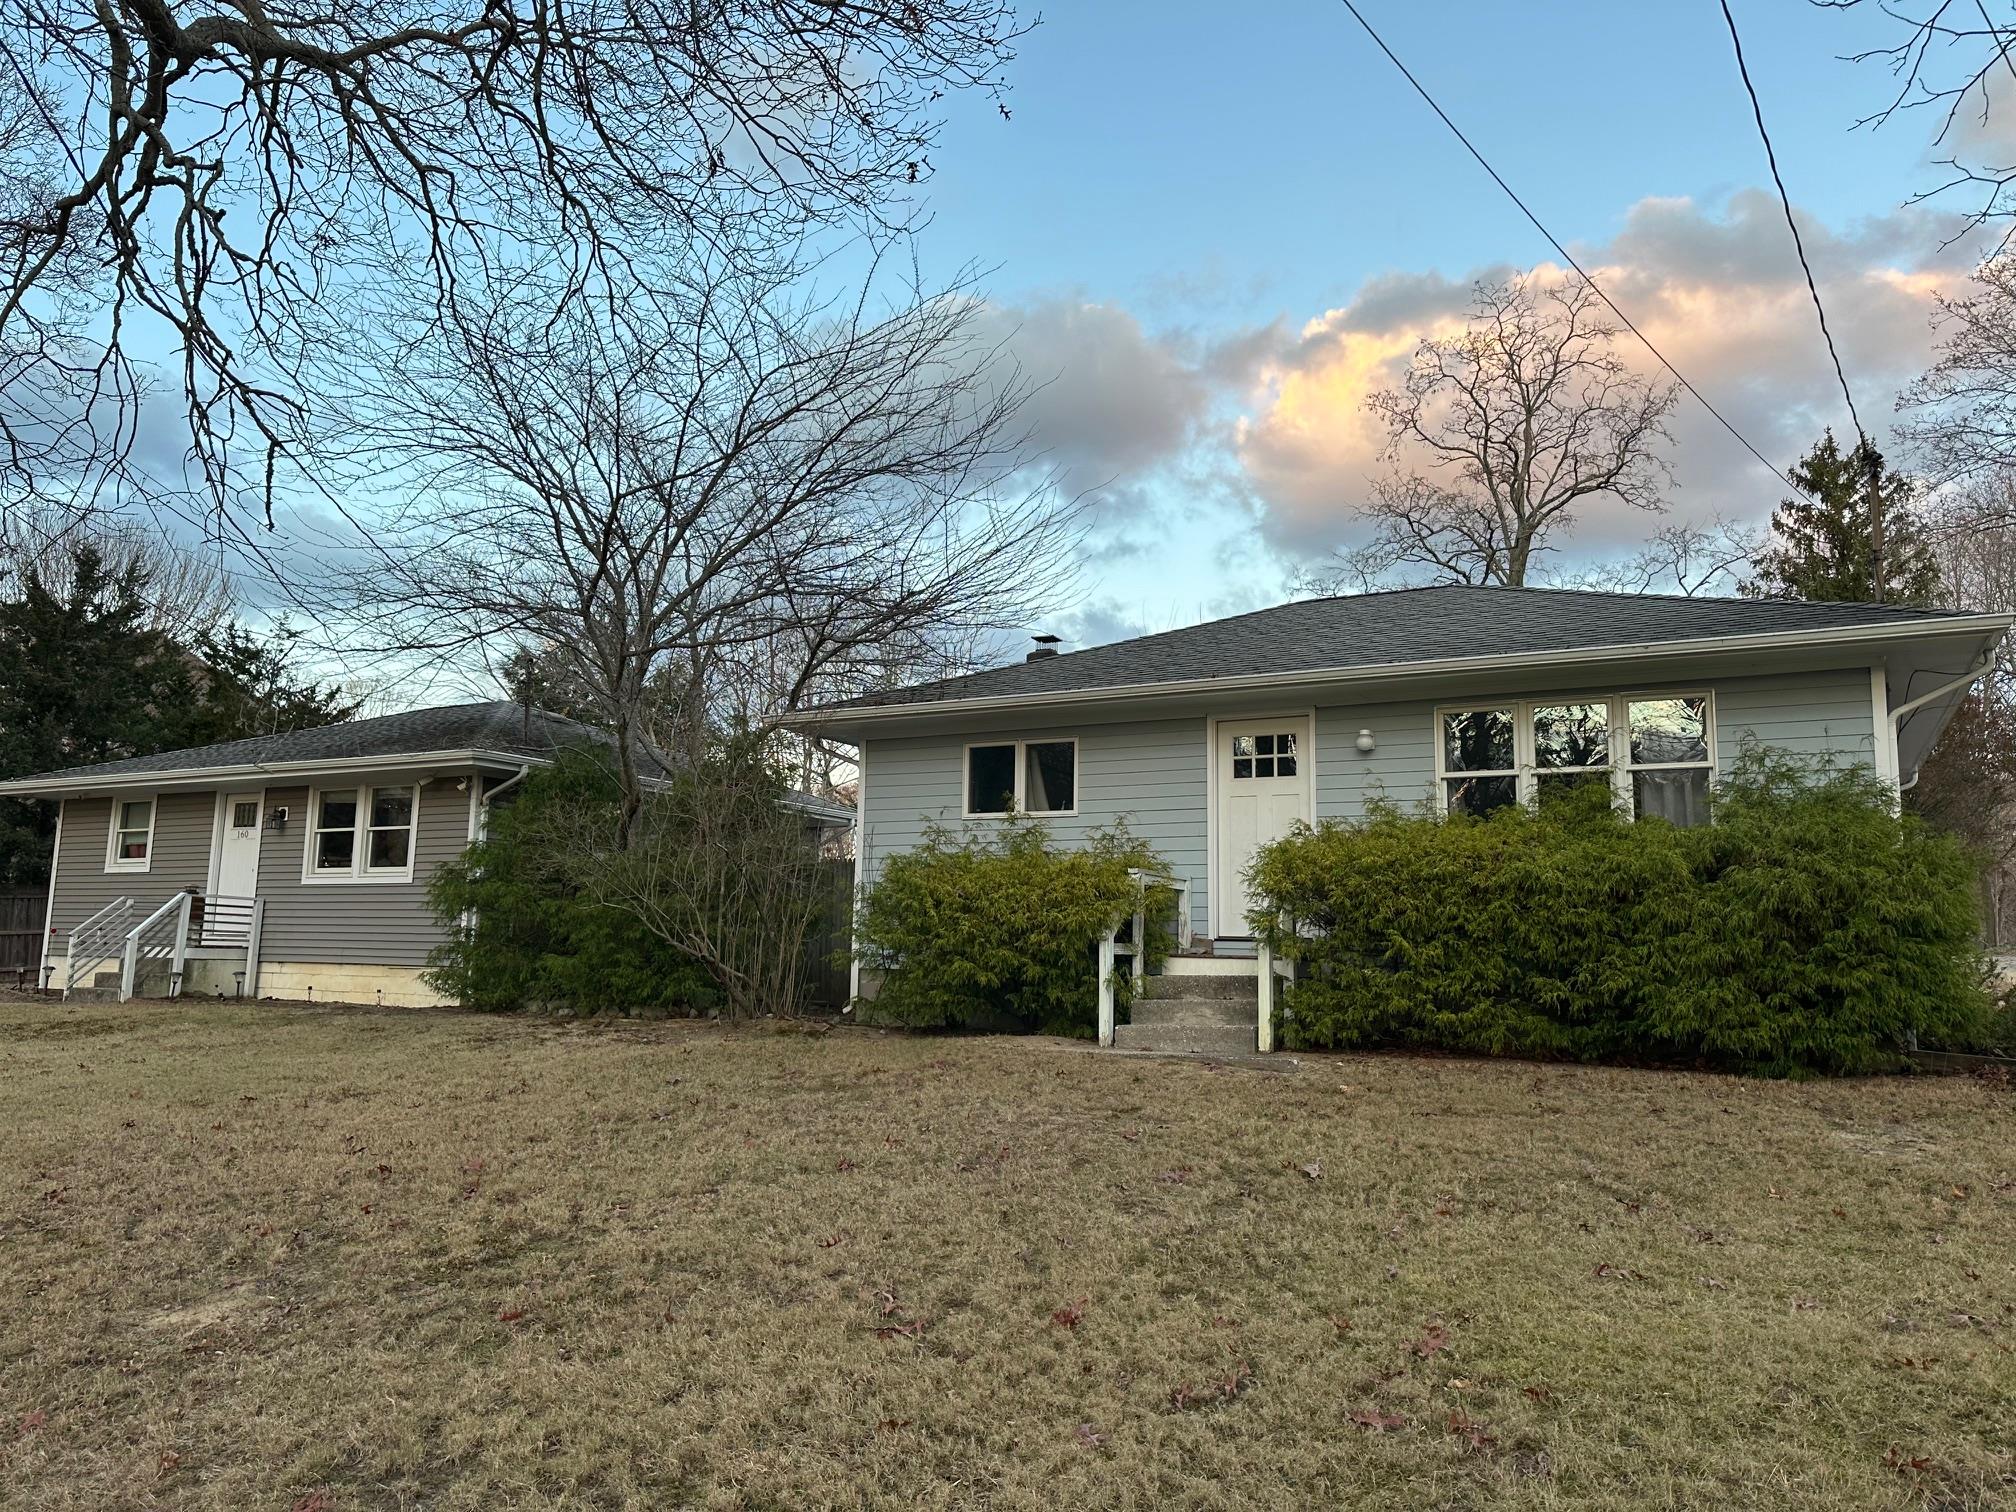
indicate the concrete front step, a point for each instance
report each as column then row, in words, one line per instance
column 1244, row 989
column 1195, row 1010
column 1187, row 1039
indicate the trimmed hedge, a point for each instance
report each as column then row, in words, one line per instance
column 997, row 928
column 1809, row 928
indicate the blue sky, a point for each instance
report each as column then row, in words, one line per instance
column 1195, row 214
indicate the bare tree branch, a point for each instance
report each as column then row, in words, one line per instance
column 1499, row 436
column 227, row 171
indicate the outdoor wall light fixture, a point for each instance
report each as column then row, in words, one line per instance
column 1365, row 741
column 276, row 819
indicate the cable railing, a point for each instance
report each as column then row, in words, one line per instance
column 95, row 940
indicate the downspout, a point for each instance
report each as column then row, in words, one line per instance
column 484, row 800
column 1903, row 711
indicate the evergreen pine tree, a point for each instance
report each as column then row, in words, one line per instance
column 1822, row 548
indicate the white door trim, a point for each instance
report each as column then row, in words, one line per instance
column 1214, row 882
column 220, row 822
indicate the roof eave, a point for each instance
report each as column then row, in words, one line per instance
column 85, row 780
column 1872, row 635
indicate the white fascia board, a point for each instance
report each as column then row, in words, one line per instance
column 171, row 778
column 1994, row 625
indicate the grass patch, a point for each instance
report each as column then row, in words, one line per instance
column 258, row 1256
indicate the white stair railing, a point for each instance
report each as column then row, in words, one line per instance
column 162, row 936
column 94, row 940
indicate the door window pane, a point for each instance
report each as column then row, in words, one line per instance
column 1680, row 795
column 1478, row 796
column 1571, row 735
column 1477, row 740
column 1669, row 729
column 990, row 779
column 245, row 815
column 1050, row 776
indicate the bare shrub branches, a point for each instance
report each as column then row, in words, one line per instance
column 228, row 172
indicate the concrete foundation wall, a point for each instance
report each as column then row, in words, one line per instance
column 342, row 982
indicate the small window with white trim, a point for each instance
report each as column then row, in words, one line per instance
column 130, row 846
column 1021, row 776
column 358, row 834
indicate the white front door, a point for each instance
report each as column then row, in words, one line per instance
column 238, row 847
column 1263, row 783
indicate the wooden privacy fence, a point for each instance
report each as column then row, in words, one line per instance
column 23, row 916
column 826, row 957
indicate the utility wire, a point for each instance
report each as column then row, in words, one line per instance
column 1784, row 199
column 1566, row 256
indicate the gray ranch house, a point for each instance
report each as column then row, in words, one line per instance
column 289, row 866
column 1213, row 740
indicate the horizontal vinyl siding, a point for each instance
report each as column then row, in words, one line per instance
column 356, row 923
column 183, row 826
column 1151, row 773
column 1823, row 716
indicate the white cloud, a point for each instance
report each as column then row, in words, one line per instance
column 1720, row 293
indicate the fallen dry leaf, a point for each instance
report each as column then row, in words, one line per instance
column 1373, row 1420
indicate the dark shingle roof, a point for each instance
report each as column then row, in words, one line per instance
column 507, row 728
column 1398, row 627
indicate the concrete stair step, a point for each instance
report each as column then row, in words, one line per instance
column 1200, row 1011
column 1245, row 989
column 1186, row 1039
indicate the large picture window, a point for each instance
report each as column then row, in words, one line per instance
column 1654, row 752
column 361, row 834
column 1025, row 776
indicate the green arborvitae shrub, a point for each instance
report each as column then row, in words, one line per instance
column 1809, row 928
column 997, row 927
column 521, row 932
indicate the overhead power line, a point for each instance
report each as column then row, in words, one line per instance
column 1566, row 256
column 1784, row 199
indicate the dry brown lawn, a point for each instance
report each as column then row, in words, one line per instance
column 277, row 1257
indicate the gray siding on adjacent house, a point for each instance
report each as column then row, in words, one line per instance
column 356, row 923
column 1150, row 772
column 183, row 828
column 1154, row 772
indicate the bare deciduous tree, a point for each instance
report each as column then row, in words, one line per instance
column 1968, row 783
column 1949, row 61
column 1498, row 437
column 189, row 593
column 1693, row 561
column 700, row 482
column 1962, row 413
column 227, row 171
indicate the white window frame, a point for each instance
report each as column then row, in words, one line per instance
column 1021, row 776
column 1526, row 770
column 113, row 862
column 360, row 853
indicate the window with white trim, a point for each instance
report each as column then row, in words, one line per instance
column 1654, row 752
column 130, row 846
column 1023, row 776
column 356, row 834
column 1668, row 757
